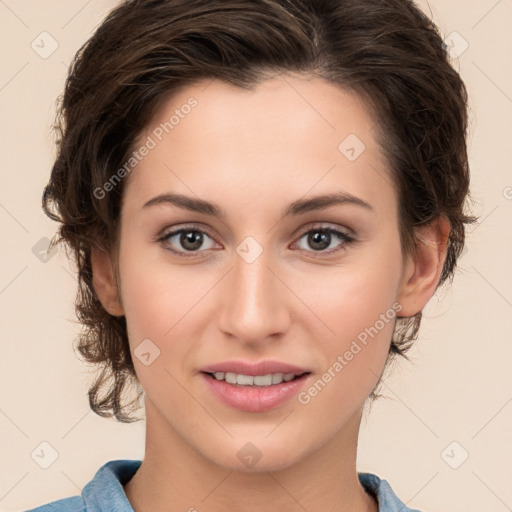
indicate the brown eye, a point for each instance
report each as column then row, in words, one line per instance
column 191, row 240
column 320, row 239
column 186, row 240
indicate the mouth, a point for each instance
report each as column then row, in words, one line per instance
column 252, row 387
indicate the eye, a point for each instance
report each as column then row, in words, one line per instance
column 188, row 239
column 321, row 238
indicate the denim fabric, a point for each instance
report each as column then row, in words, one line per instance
column 105, row 493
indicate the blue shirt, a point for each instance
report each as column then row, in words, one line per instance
column 105, row 493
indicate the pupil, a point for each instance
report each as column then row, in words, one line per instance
column 191, row 240
column 320, row 237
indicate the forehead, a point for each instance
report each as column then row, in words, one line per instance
column 286, row 137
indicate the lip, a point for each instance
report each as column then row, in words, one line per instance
column 254, row 398
column 261, row 368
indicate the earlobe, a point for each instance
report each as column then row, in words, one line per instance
column 423, row 270
column 104, row 282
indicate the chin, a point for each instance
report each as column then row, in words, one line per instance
column 258, row 456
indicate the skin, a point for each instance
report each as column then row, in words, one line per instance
column 253, row 153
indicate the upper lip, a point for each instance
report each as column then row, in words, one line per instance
column 264, row 367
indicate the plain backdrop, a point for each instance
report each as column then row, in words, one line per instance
column 441, row 438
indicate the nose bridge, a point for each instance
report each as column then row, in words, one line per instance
column 254, row 306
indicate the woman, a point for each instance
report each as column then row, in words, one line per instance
column 261, row 197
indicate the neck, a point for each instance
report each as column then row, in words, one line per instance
column 175, row 477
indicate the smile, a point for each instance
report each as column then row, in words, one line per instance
column 254, row 393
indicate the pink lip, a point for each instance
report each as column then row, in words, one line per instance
column 246, row 368
column 254, row 398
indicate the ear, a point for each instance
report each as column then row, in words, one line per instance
column 423, row 270
column 104, row 282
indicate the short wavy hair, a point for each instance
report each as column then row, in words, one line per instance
column 387, row 51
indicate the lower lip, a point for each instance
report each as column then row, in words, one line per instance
column 253, row 398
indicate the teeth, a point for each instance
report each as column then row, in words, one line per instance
column 251, row 380
column 277, row 378
column 230, row 377
column 244, row 380
column 262, row 380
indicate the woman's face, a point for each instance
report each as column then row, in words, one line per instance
column 260, row 281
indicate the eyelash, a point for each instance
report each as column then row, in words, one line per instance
column 342, row 236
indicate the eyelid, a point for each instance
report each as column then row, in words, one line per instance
column 183, row 227
column 312, row 226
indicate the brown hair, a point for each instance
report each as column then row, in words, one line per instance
column 385, row 50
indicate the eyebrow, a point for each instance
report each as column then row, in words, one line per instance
column 298, row 207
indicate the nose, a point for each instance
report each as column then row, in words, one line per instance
column 255, row 308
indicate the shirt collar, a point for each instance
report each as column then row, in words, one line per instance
column 105, row 491
column 379, row 488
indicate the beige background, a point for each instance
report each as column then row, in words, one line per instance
column 458, row 387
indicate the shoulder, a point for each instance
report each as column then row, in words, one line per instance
column 381, row 490
column 104, row 492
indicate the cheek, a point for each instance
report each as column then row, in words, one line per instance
column 158, row 302
column 358, row 305
column 353, row 298
column 361, row 316
column 155, row 295
column 159, row 309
